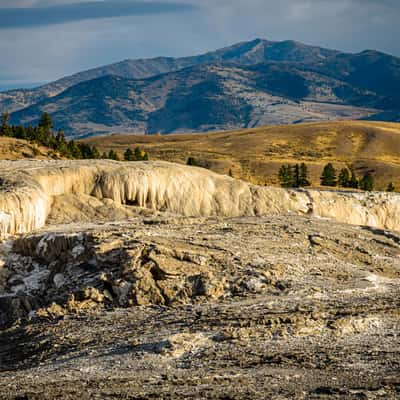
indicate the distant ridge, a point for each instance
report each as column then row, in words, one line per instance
column 244, row 85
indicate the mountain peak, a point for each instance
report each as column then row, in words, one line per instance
column 210, row 91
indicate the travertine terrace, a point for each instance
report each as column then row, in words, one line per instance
column 29, row 189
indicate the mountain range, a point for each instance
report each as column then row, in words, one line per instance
column 245, row 85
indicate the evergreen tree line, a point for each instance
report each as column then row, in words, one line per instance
column 296, row 176
column 43, row 135
column 346, row 178
column 137, row 155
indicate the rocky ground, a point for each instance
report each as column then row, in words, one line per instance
column 165, row 307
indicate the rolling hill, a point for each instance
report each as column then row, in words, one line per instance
column 18, row 149
column 256, row 154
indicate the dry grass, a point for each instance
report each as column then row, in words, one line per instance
column 256, row 154
column 17, row 149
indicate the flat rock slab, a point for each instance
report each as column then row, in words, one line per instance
column 281, row 307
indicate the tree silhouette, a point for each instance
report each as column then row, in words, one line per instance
column 5, row 124
column 353, row 183
column 286, row 177
column 328, row 177
column 192, row 162
column 45, row 122
column 344, row 178
column 112, row 155
column 129, row 155
column 304, row 176
column 390, row 187
column 367, row 182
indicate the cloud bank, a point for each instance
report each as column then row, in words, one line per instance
column 48, row 39
column 26, row 17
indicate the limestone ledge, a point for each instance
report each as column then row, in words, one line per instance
column 28, row 188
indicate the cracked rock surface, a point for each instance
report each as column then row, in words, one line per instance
column 160, row 306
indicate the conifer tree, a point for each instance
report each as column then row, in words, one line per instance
column 5, row 128
column 129, row 155
column 191, row 161
column 282, row 175
column 95, row 154
column 138, row 154
column 20, row 132
column 390, row 187
column 85, row 149
column 286, row 177
column 328, row 177
column 74, row 150
column 60, row 138
column 296, row 176
column 45, row 122
column 344, row 178
column 353, row 183
column 29, row 132
column 367, row 182
column 304, row 175
column 112, row 155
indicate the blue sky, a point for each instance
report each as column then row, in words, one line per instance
column 42, row 40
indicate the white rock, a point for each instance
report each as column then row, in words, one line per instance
column 179, row 189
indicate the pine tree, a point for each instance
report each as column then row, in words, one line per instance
column 5, row 119
column 129, row 155
column 328, row 177
column 85, row 150
column 29, row 132
column 95, row 153
column 73, row 150
column 60, row 144
column 353, row 183
column 191, row 161
column 367, row 182
column 138, row 154
column 45, row 122
column 282, row 175
column 390, row 187
column 5, row 128
column 20, row 132
column 344, row 178
column 286, row 177
column 296, row 176
column 112, row 155
column 60, row 138
column 304, row 175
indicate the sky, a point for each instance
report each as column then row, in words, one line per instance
column 43, row 40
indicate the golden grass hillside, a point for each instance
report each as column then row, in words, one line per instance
column 256, row 154
column 18, row 149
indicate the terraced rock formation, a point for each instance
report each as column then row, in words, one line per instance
column 29, row 189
